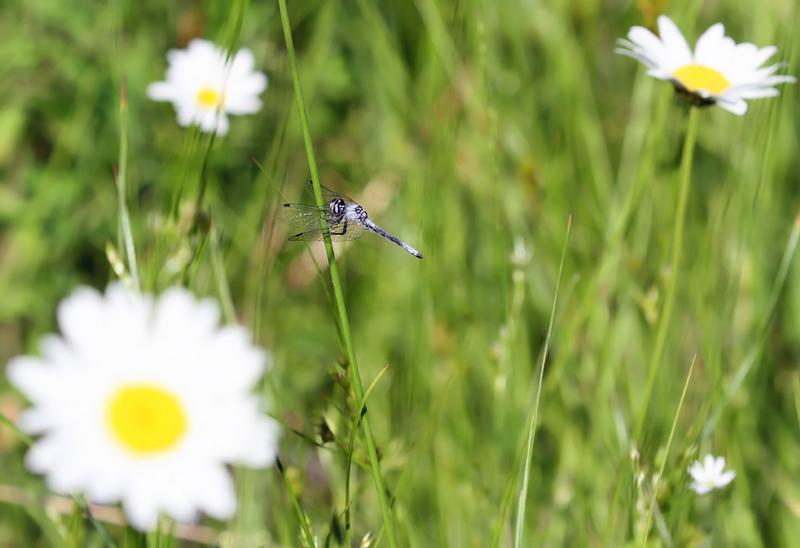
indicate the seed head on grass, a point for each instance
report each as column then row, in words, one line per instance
column 719, row 71
column 204, row 84
column 145, row 401
column 710, row 474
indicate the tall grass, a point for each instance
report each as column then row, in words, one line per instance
column 338, row 295
column 462, row 127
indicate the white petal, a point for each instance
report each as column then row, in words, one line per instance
column 43, row 455
column 645, row 39
column 779, row 79
column 199, row 47
column 647, row 46
column 243, row 105
column 243, row 62
column 59, row 458
column 260, row 450
column 80, row 314
column 211, row 120
column 746, row 54
column 32, row 377
column 161, row 91
column 217, row 497
column 764, row 54
column 674, row 42
column 726, row 478
column 244, row 362
column 255, row 444
column 660, row 74
column 35, row 421
column 222, row 124
column 738, row 107
column 178, row 501
column 647, row 61
column 186, row 114
column 756, row 93
column 179, row 313
column 707, row 49
column 141, row 508
column 66, row 479
column 700, row 488
column 98, row 326
column 104, row 486
column 697, row 471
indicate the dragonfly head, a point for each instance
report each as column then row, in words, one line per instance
column 337, row 207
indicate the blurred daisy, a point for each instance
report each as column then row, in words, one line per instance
column 145, row 401
column 205, row 86
column 720, row 71
column 709, row 475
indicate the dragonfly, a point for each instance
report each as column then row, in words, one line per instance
column 342, row 218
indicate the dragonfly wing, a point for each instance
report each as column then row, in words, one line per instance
column 307, row 236
column 341, row 231
column 302, row 215
column 329, row 195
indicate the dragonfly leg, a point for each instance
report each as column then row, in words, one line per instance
column 344, row 229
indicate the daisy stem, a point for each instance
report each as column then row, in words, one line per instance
column 523, row 492
column 338, row 295
column 672, row 284
column 122, row 174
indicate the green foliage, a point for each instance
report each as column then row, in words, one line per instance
column 463, row 127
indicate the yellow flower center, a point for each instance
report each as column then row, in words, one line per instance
column 209, row 98
column 699, row 77
column 146, row 419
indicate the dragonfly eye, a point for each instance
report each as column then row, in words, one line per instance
column 338, row 206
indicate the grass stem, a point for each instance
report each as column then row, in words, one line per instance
column 221, row 278
column 306, row 536
column 344, row 323
column 523, row 492
column 122, row 174
column 687, row 156
column 666, row 452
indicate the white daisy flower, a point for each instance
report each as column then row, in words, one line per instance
column 205, row 85
column 720, row 71
column 709, row 475
column 145, row 401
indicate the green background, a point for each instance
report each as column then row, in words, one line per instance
column 462, row 127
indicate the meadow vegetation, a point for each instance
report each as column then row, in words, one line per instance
column 477, row 131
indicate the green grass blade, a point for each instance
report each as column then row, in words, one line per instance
column 338, row 294
column 122, row 187
column 666, row 452
column 306, row 536
column 523, row 492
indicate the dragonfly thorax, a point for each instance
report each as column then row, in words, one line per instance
column 356, row 213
